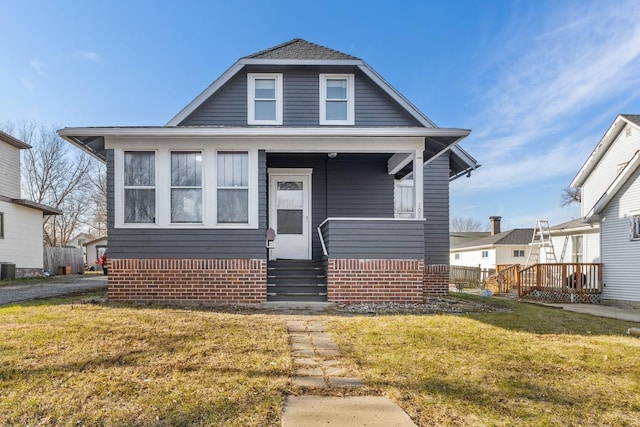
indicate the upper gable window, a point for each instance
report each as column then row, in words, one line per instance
column 337, row 99
column 264, row 99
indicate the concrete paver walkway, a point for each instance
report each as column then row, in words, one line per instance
column 318, row 367
column 601, row 310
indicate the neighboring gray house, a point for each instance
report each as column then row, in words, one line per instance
column 277, row 183
column 610, row 188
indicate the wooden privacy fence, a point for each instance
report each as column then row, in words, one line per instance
column 552, row 278
column 461, row 275
column 55, row 257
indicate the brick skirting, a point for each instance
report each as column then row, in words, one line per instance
column 436, row 279
column 188, row 280
column 366, row 280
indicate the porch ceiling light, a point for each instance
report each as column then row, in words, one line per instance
column 332, row 155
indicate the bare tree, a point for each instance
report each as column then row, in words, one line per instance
column 98, row 187
column 55, row 175
column 465, row 224
column 570, row 195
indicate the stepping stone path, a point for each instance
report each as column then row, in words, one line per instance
column 317, row 360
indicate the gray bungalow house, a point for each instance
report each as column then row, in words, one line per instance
column 299, row 174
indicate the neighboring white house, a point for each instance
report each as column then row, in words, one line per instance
column 21, row 235
column 94, row 249
column 609, row 182
column 499, row 248
column 575, row 241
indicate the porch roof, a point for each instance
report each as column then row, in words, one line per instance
column 437, row 140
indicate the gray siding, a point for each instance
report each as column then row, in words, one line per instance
column 373, row 108
column 360, row 187
column 208, row 243
column 436, row 211
column 347, row 186
column 374, row 239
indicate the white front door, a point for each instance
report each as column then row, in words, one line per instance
column 290, row 213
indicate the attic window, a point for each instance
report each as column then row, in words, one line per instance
column 264, row 99
column 337, row 95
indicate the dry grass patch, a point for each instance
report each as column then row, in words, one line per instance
column 65, row 363
column 529, row 366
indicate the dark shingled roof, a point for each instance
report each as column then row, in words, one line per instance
column 299, row 49
column 634, row 118
column 517, row 236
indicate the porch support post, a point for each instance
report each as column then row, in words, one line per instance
column 418, row 178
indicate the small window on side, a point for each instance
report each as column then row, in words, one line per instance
column 485, row 254
column 635, row 228
column 456, row 256
column 1, row 225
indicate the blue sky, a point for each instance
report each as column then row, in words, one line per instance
column 538, row 82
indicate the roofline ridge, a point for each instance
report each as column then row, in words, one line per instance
column 273, row 48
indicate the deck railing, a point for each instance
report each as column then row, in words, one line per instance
column 575, row 278
column 508, row 276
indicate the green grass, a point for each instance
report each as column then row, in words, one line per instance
column 530, row 366
column 67, row 363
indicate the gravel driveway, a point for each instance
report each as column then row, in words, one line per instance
column 54, row 286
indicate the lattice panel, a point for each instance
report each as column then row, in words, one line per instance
column 563, row 297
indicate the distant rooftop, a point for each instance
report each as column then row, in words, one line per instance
column 517, row 236
column 300, row 49
column 635, row 118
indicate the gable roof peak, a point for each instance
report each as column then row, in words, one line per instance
column 300, row 49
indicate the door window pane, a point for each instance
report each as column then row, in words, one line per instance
column 289, row 221
column 289, row 205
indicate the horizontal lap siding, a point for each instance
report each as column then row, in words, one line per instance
column 359, row 186
column 228, row 106
column 620, row 255
column 436, row 211
column 189, row 243
column 374, row 239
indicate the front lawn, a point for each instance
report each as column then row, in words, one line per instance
column 71, row 363
column 530, row 366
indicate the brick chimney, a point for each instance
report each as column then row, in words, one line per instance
column 495, row 224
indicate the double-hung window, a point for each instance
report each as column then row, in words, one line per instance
column 139, row 187
column 264, row 99
column 337, row 99
column 186, row 187
column 233, row 187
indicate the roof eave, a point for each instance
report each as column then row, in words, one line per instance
column 11, row 140
column 600, row 150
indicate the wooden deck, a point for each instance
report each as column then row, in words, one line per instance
column 557, row 282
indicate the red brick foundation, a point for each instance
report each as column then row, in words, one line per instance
column 377, row 280
column 436, row 279
column 188, row 280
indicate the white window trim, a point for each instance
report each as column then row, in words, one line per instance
column 163, row 189
column 350, row 99
column 251, row 93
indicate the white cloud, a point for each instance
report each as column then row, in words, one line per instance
column 37, row 66
column 91, row 56
column 534, row 124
